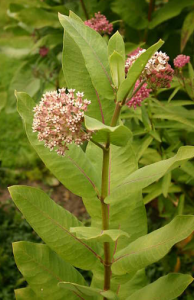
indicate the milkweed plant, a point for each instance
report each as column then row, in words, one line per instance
column 78, row 133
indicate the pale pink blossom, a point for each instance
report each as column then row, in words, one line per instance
column 157, row 72
column 181, row 60
column 139, row 96
column 100, row 24
column 58, row 119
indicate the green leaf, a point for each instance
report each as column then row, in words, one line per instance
column 155, row 190
column 166, row 184
column 132, row 12
column 94, row 50
column 147, row 175
column 174, row 117
column 118, row 135
column 22, row 80
column 165, row 288
column 89, row 291
column 70, row 169
column 170, row 10
column 96, row 234
column 77, row 77
column 117, row 68
column 145, row 118
column 135, row 71
column 117, row 44
column 130, row 287
column 142, row 146
column 37, row 17
column 26, row 293
column 187, row 29
column 43, row 270
column 191, row 72
column 153, row 246
column 174, row 93
column 52, row 224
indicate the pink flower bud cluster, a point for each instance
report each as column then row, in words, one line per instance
column 181, row 60
column 58, row 119
column 157, row 73
column 43, row 51
column 140, row 95
column 100, row 24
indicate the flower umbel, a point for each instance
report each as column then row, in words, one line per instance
column 157, row 73
column 181, row 60
column 100, row 24
column 58, row 119
column 140, row 95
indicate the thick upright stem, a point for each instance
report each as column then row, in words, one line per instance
column 104, row 194
column 105, row 217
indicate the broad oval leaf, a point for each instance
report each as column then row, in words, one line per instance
column 52, row 224
column 94, row 51
column 153, row 246
column 43, row 270
column 72, row 168
column 166, row 288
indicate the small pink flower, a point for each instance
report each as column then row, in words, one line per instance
column 141, row 94
column 43, row 51
column 58, row 119
column 100, row 24
column 181, row 60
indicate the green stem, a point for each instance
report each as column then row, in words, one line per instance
column 104, row 206
column 84, row 9
column 105, row 218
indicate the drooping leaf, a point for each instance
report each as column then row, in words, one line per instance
column 152, row 247
column 96, row 234
column 52, row 224
column 166, row 288
column 118, row 135
column 135, row 71
column 94, row 50
column 170, row 10
column 89, row 291
column 43, row 270
column 70, row 169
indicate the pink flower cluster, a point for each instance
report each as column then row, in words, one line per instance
column 157, row 73
column 140, row 95
column 100, row 24
column 181, row 60
column 58, row 119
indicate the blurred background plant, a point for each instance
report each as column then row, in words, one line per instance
column 30, row 61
